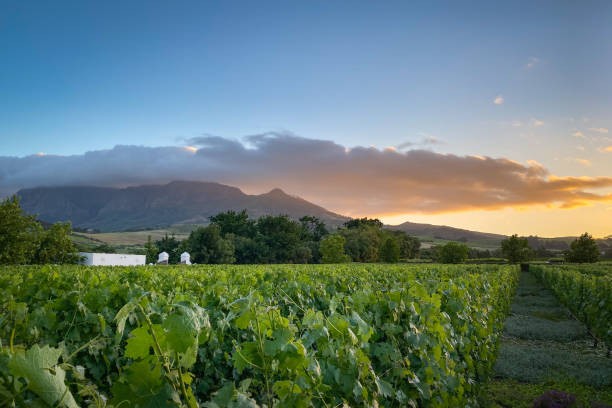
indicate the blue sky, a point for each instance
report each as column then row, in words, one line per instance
column 83, row 76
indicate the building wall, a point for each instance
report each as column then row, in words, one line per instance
column 112, row 259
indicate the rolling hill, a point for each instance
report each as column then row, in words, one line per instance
column 442, row 232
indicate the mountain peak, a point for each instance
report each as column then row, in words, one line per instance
column 276, row 192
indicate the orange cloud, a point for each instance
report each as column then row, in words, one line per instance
column 599, row 130
column 355, row 181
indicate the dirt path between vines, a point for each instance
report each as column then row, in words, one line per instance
column 543, row 348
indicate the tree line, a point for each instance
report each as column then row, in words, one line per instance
column 517, row 249
column 233, row 237
column 25, row 240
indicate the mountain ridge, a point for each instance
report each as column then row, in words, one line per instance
column 152, row 206
column 160, row 205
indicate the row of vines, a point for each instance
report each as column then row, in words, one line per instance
column 586, row 290
column 250, row 336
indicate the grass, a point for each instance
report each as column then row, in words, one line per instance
column 504, row 393
column 130, row 241
column 546, row 362
column 544, row 349
column 133, row 237
column 537, row 328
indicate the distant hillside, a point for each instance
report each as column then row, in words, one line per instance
column 184, row 202
column 447, row 233
column 158, row 206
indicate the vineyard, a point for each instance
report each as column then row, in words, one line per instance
column 555, row 348
column 249, row 336
column 587, row 292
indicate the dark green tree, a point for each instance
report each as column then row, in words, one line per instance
column 362, row 244
column 409, row 246
column 19, row 233
column 104, row 248
column 56, row 247
column 171, row 246
column 314, row 228
column 390, row 251
column 332, row 249
column 231, row 222
column 23, row 240
column 151, row 251
column 248, row 250
column 282, row 237
column 452, row 252
column 363, row 222
column 516, row 249
column 302, row 254
column 583, row 250
column 206, row 246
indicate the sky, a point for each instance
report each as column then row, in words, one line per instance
column 489, row 116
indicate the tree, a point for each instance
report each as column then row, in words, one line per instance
column 248, row 250
column 390, row 251
column 583, row 250
column 363, row 222
column 409, row 246
column 206, row 246
column 332, row 249
column 516, row 249
column 453, row 252
column 19, row 233
column 105, row 248
column 231, row 222
column 56, row 246
column 314, row 228
column 23, row 240
column 282, row 237
column 151, row 251
column 171, row 246
column 362, row 244
column 302, row 254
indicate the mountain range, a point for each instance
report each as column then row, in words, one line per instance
column 156, row 206
column 148, row 207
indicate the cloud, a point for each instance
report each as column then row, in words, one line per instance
column 425, row 141
column 535, row 122
column 605, row 149
column 535, row 163
column 599, row 130
column 499, row 99
column 355, row 181
column 577, row 134
column 584, row 162
column 532, row 62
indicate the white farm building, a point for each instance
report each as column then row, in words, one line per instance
column 93, row 259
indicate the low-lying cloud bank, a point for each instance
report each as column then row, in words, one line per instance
column 359, row 181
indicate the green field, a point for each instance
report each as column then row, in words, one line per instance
column 130, row 241
column 282, row 335
column 353, row 335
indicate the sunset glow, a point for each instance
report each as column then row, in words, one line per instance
column 404, row 112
